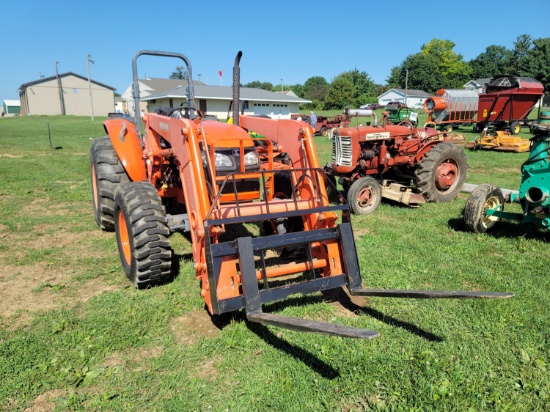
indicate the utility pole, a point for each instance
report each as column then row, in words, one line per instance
column 406, row 85
column 282, row 85
column 61, row 100
column 88, row 60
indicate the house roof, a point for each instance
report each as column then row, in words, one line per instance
column 480, row 82
column 158, row 85
column 204, row 91
column 408, row 92
column 12, row 102
column 47, row 79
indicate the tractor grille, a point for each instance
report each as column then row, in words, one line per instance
column 342, row 151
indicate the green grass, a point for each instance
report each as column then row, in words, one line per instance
column 98, row 344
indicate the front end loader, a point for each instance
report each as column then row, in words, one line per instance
column 186, row 172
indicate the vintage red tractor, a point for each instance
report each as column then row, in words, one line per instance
column 395, row 161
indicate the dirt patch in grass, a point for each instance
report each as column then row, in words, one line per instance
column 45, row 402
column 343, row 303
column 133, row 356
column 42, row 287
column 189, row 328
column 207, row 370
column 40, row 268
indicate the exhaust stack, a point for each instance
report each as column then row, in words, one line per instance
column 236, row 88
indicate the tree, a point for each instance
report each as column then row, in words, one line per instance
column 260, row 85
column 536, row 62
column 423, row 74
column 523, row 43
column 315, row 89
column 364, row 87
column 340, row 93
column 454, row 70
column 180, row 73
column 495, row 60
column 298, row 89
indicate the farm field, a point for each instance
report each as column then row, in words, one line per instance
column 75, row 335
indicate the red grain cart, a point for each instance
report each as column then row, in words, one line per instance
column 507, row 102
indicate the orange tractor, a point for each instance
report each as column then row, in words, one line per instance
column 186, row 172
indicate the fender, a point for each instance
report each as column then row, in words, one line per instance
column 425, row 149
column 127, row 145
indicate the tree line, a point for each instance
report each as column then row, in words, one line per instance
column 435, row 66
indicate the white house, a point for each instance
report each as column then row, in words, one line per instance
column 214, row 100
column 478, row 85
column 411, row 98
column 11, row 108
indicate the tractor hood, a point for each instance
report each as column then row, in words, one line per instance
column 225, row 135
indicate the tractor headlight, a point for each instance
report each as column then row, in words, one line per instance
column 251, row 158
column 224, row 161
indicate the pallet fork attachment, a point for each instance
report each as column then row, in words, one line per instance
column 247, row 248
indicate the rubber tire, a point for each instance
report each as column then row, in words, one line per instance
column 478, row 127
column 283, row 187
column 355, row 191
column 482, row 198
column 332, row 192
column 515, row 128
column 324, row 131
column 142, row 234
column 427, row 169
column 106, row 173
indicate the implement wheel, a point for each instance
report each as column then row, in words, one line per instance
column 515, row 128
column 142, row 234
column 364, row 195
column 483, row 198
column 106, row 173
column 441, row 172
column 324, row 131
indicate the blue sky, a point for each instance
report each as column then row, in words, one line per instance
column 282, row 39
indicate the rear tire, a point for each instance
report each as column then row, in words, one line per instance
column 441, row 172
column 142, row 234
column 364, row 195
column 106, row 174
column 482, row 198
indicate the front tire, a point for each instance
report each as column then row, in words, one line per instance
column 441, row 172
column 106, row 173
column 142, row 234
column 481, row 199
column 364, row 195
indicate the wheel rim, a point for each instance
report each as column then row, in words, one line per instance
column 491, row 203
column 365, row 198
column 124, row 237
column 446, row 175
column 94, row 188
